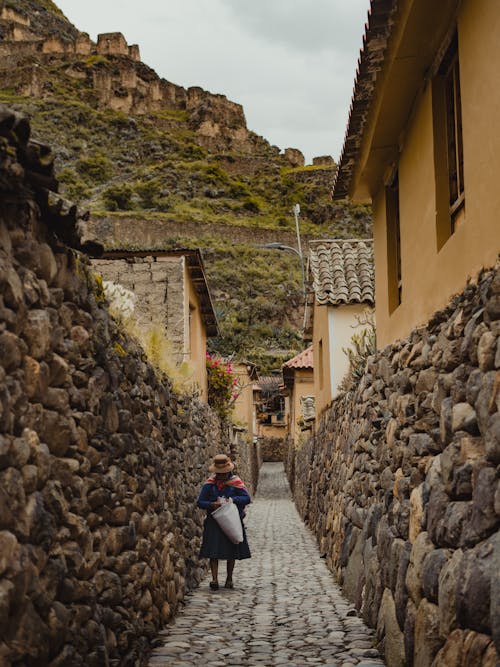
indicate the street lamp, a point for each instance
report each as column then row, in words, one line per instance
column 281, row 246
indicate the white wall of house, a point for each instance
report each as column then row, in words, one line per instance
column 342, row 325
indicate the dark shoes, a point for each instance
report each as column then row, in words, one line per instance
column 214, row 585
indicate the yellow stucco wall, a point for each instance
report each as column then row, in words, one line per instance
column 303, row 385
column 243, row 407
column 430, row 277
column 195, row 343
column 321, row 351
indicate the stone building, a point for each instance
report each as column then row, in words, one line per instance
column 171, row 292
column 423, row 145
column 342, row 274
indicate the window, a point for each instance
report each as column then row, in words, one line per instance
column 448, row 144
column 394, row 281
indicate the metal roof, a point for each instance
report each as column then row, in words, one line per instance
column 342, row 271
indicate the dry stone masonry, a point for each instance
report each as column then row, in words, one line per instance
column 401, row 486
column 100, row 461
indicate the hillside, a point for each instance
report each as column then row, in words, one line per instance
column 132, row 145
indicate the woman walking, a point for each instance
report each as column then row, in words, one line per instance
column 221, row 485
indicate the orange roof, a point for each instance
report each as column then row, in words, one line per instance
column 302, row 360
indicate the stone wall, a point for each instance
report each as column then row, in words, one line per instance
column 246, row 456
column 100, row 461
column 158, row 286
column 272, row 449
column 400, row 484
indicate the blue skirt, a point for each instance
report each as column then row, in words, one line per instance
column 216, row 545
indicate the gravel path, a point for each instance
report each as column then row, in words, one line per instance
column 285, row 608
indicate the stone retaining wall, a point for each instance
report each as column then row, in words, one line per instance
column 400, row 484
column 272, row 449
column 246, row 456
column 100, row 461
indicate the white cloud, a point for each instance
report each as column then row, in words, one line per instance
column 291, row 63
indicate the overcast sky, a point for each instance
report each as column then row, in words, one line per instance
column 290, row 63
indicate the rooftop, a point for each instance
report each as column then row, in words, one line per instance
column 342, row 271
column 302, row 360
column 378, row 30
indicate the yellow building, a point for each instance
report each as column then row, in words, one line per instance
column 342, row 274
column 423, row 145
column 298, row 381
column 244, row 411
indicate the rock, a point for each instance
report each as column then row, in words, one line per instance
column 7, row 595
column 445, row 423
column 10, row 553
column 47, row 266
column 492, row 438
column 463, row 418
column 485, row 404
column 451, row 654
column 421, row 547
column 416, row 512
column 474, row 586
column 388, row 628
column 11, row 351
column 56, row 432
column 484, row 518
column 447, row 587
column 427, row 640
column 80, row 336
column 20, row 452
column 37, row 333
column 12, row 290
column 401, row 592
column 486, row 350
column 426, row 380
column 12, row 497
column 433, row 564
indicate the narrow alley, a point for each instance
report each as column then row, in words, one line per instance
column 285, row 609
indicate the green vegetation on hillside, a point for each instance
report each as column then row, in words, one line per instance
column 156, row 166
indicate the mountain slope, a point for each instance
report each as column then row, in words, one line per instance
column 131, row 144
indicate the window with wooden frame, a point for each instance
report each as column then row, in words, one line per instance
column 448, row 144
column 394, row 274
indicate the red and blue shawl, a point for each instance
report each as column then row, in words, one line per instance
column 233, row 488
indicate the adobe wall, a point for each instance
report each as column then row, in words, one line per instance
column 158, row 286
column 100, row 461
column 401, row 486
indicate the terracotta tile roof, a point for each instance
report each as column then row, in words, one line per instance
column 302, row 360
column 342, row 271
column 378, row 30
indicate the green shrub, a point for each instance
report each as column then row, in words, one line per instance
column 95, row 168
column 148, row 192
column 118, row 197
column 251, row 204
column 74, row 187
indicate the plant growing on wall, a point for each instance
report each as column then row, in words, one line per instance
column 223, row 389
column 151, row 336
column 363, row 345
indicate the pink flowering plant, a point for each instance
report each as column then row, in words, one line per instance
column 223, row 388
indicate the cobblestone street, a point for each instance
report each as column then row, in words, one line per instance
column 285, row 608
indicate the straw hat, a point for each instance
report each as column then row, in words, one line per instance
column 221, row 463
